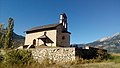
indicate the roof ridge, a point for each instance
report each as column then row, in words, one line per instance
column 43, row 27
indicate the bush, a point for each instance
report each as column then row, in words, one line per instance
column 101, row 55
column 115, row 59
column 18, row 57
column 1, row 58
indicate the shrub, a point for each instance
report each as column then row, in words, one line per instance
column 1, row 58
column 18, row 57
column 113, row 58
column 101, row 55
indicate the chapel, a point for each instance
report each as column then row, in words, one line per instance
column 51, row 35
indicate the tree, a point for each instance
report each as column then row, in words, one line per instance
column 1, row 34
column 9, row 34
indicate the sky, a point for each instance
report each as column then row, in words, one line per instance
column 88, row 20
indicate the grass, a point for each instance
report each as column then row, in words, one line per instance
column 102, row 65
column 115, row 57
column 105, row 64
column 88, row 65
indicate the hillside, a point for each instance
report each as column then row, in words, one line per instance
column 18, row 40
column 111, row 43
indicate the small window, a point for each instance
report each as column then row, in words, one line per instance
column 34, row 42
column 63, row 37
column 45, row 33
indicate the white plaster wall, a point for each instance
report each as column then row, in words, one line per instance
column 30, row 37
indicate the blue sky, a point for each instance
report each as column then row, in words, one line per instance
column 88, row 20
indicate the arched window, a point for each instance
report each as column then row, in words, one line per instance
column 34, row 42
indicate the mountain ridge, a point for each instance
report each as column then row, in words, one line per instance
column 110, row 43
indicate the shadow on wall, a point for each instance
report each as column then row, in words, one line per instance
column 90, row 53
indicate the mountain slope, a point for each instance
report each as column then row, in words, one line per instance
column 112, row 43
column 18, row 40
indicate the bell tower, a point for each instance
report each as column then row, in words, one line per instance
column 63, row 21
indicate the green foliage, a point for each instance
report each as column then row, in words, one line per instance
column 101, row 55
column 1, row 35
column 18, row 57
column 1, row 40
column 115, row 59
column 1, row 58
column 9, row 33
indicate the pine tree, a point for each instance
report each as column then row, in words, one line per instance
column 9, row 33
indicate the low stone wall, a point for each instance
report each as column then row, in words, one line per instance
column 59, row 54
column 54, row 54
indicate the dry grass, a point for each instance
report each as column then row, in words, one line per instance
column 115, row 54
column 77, row 64
column 102, row 65
column 90, row 65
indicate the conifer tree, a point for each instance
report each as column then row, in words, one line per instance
column 9, row 33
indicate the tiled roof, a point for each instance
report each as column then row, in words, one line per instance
column 45, row 27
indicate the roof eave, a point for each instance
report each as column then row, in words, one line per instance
column 38, row 30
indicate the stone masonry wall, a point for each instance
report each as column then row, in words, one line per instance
column 62, row 42
column 55, row 54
